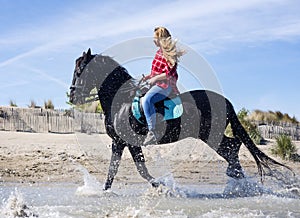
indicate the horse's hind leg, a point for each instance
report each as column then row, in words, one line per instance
column 229, row 149
column 117, row 151
column 139, row 160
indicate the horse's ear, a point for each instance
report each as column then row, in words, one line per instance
column 89, row 52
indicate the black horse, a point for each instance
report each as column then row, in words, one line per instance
column 206, row 115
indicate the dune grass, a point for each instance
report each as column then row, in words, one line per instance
column 284, row 147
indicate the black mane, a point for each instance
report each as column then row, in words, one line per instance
column 118, row 85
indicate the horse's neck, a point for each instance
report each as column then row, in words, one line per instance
column 114, row 91
column 101, row 68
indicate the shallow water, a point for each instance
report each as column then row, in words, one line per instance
column 243, row 198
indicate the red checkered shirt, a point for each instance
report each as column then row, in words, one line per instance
column 159, row 66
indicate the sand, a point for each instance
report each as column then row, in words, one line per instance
column 48, row 157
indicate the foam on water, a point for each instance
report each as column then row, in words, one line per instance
column 15, row 206
column 233, row 213
column 147, row 212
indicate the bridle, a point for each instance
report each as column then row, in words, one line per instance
column 79, row 84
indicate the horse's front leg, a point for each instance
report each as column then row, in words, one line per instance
column 117, row 151
column 139, row 160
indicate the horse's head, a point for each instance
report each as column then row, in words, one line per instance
column 112, row 82
column 81, row 86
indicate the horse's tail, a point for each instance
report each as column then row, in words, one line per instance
column 262, row 160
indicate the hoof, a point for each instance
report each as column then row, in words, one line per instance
column 235, row 171
column 106, row 187
column 156, row 184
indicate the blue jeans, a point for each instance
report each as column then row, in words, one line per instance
column 154, row 95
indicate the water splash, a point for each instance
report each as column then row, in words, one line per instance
column 279, row 183
column 15, row 206
column 168, row 188
column 245, row 187
column 91, row 186
column 284, row 184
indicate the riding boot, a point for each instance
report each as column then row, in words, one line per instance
column 150, row 138
column 229, row 149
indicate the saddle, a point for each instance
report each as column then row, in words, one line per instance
column 170, row 108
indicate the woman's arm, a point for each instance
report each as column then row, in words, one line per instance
column 159, row 77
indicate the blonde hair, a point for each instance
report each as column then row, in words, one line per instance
column 168, row 45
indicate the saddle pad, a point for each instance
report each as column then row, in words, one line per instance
column 172, row 109
column 135, row 108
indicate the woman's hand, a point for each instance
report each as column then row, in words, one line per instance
column 145, row 78
column 153, row 80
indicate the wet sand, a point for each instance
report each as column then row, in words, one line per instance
column 48, row 157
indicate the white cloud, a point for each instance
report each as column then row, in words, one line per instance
column 13, row 84
column 215, row 21
column 208, row 26
column 47, row 77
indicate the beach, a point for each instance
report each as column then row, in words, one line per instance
column 61, row 175
column 48, row 157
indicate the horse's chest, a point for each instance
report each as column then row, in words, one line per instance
column 123, row 127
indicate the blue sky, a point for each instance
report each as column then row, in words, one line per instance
column 253, row 46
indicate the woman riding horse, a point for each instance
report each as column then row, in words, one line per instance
column 163, row 78
column 206, row 115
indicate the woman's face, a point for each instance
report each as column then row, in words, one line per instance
column 155, row 40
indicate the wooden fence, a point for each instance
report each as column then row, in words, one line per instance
column 42, row 120
column 273, row 131
column 59, row 121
